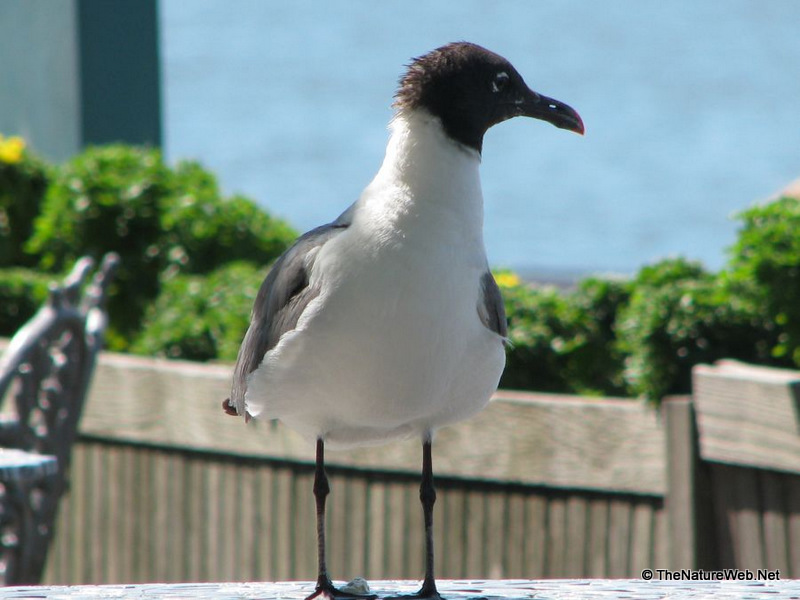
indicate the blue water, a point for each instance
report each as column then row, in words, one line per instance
column 692, row 113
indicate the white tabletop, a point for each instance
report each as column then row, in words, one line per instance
column 550, row 589
column 18, row 465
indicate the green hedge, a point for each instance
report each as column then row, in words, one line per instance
column 162, row 221
column 201, row 317
column 564, row 342
column 679, row 316
column 23, row 182
column 22, row 292
column 204, row 232
column 766, row 261
column 108, row 199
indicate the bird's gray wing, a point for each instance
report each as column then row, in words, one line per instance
column 281, row 300
column 491, row 310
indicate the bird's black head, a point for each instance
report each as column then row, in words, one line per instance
column 470, row 89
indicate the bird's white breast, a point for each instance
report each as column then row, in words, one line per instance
column 393, row 344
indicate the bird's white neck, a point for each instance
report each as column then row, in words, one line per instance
column 426, row 181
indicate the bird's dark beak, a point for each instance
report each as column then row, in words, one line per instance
column 547, row 109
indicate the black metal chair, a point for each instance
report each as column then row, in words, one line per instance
column 44, row 377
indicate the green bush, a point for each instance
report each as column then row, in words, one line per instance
column 22, row 292
column 108, row 199
column 201, row 317
column 679, row 316
column 535, row 324
column 560, row 342
column 638, row 337
column 159, row 220
column 596, row 367
column 204, row 231
column 23, row 182
column 767, row 255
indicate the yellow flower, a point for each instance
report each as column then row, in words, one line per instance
column 507, row 279
column 11, row 149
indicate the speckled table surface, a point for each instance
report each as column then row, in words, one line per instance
column 552, row 589
column 17, row 465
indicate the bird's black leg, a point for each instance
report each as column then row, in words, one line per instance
column 427, row 495
column 322, row 488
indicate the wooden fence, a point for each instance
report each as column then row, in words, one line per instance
column 165, row 487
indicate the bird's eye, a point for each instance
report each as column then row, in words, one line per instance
column 500, row 81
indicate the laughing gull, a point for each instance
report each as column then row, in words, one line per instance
column 387, row 322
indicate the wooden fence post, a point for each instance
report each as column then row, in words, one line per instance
column 692, row 537
column 681, row 451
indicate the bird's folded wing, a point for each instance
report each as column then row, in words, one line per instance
column 491, row 310
column 282, row 298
